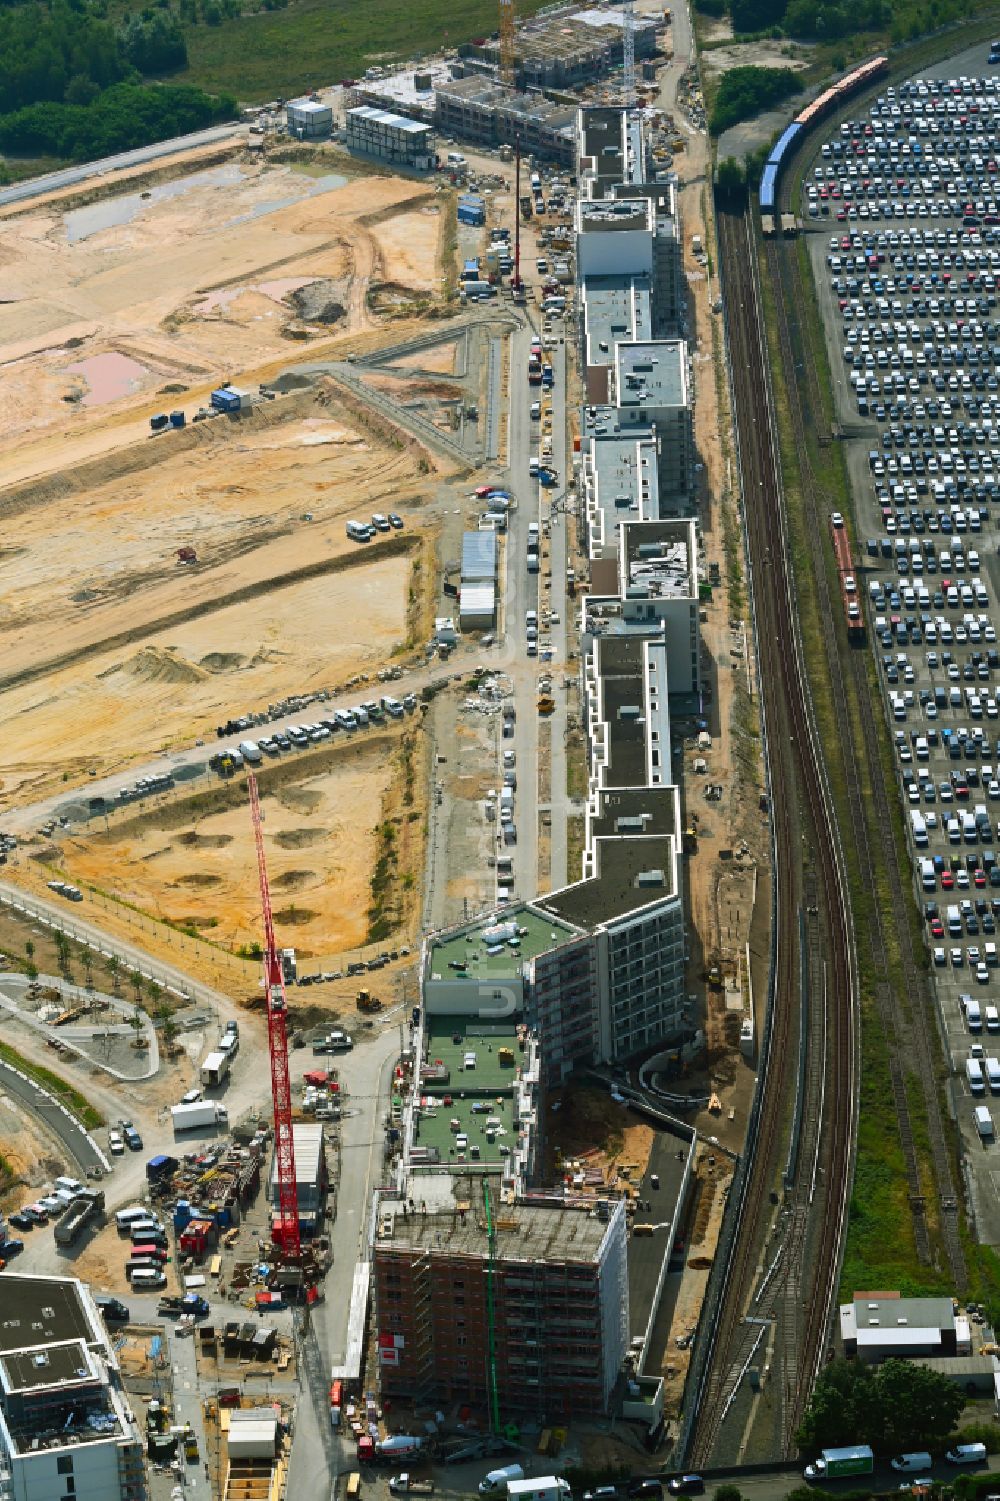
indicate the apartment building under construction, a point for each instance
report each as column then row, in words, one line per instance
column 512, row 1307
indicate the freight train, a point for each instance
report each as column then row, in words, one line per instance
column 820, row 107
column 848, row 579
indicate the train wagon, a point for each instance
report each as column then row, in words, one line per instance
column 847, row 577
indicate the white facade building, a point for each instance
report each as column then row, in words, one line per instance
column 67, row 1430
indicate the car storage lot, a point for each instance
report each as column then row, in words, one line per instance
column 904, row 207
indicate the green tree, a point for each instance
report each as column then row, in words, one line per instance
column 31, row 970
column 137, row 983
column 728, row 1493
column 137, row 1021
column 897, row 1406
column 837, row 1412
column 153, row 42
column 755, row 15
column 745, row 91
column 114, row 968
column 919, row 1407
column 730, row 179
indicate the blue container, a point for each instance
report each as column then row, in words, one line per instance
column 182, row 1214
column 225, row 401
column 177, row 419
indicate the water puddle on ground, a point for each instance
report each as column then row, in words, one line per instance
column 325, row 184
column 277, row 290
column 109, row 377
column 81, row 223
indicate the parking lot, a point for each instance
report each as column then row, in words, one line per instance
column 908, row 274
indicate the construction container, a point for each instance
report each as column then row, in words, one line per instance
column 224, row 400
column 177, row 419
column 159, row 422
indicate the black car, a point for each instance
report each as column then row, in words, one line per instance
column 395, row 521
column 11, row 1248
column 686, row 1485
column 22, row 1221
column 645, row 1486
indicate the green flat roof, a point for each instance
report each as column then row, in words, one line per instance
column 537, row 932
column 450, row 1038
column 435, row 1130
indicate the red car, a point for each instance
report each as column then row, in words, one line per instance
column 947, row 880
column 937, row 928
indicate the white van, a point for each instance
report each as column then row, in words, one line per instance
column 496, row 1481
column 967, row 1454
column 126, row 1218
column 984, row 1125
column 910, row 1464
column 148, row 1277
column 977, row 1085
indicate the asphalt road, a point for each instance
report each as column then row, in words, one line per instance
column 69, row 177
column 64, row 1125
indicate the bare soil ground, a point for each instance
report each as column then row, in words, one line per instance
column 116, row 306
column 192, row 862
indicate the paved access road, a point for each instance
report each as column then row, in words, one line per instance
column 69, row 177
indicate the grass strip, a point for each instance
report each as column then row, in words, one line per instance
column 63, row 1092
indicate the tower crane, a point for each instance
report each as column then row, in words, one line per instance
column 285, row 1231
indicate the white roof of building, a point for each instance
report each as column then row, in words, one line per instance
column 477, row 599
column 898, row 1335
column 386, row 117
column 308, row 1140
column 309, row 107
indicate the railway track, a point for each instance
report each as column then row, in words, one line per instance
column 905, row 1012
column 781, row 1277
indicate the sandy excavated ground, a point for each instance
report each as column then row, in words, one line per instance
column 202, row 869
column 116, row 651
column 192, row 288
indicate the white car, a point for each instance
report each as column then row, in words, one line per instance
column 116, row 1143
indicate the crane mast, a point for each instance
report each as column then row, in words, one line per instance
column 285, row 1232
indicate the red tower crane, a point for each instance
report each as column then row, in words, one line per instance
column 285, row 1231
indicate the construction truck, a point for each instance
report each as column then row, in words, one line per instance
column 86, row 1206
column 409, row 1485
column 367, row 1002
column 546, row 705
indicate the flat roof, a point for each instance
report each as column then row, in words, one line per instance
column 458, row 1040
column 616, row 309
column 477, row 598
column 612, row 215
column 309, row 107
column 523, row 1232
column 42, row 1311
column 438, row 1125
column 479, row 554
column 623, row 484
column 635, row 811
column 652, row 373
column 386, row 117
column 401, row 88
column 938, row 1313
column 631, row 874
column 31, row 1370
column 657, row 561
column 469, row 947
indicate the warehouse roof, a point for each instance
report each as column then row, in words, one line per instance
column 308, row 107
column 479, row 555
column 477, row 598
